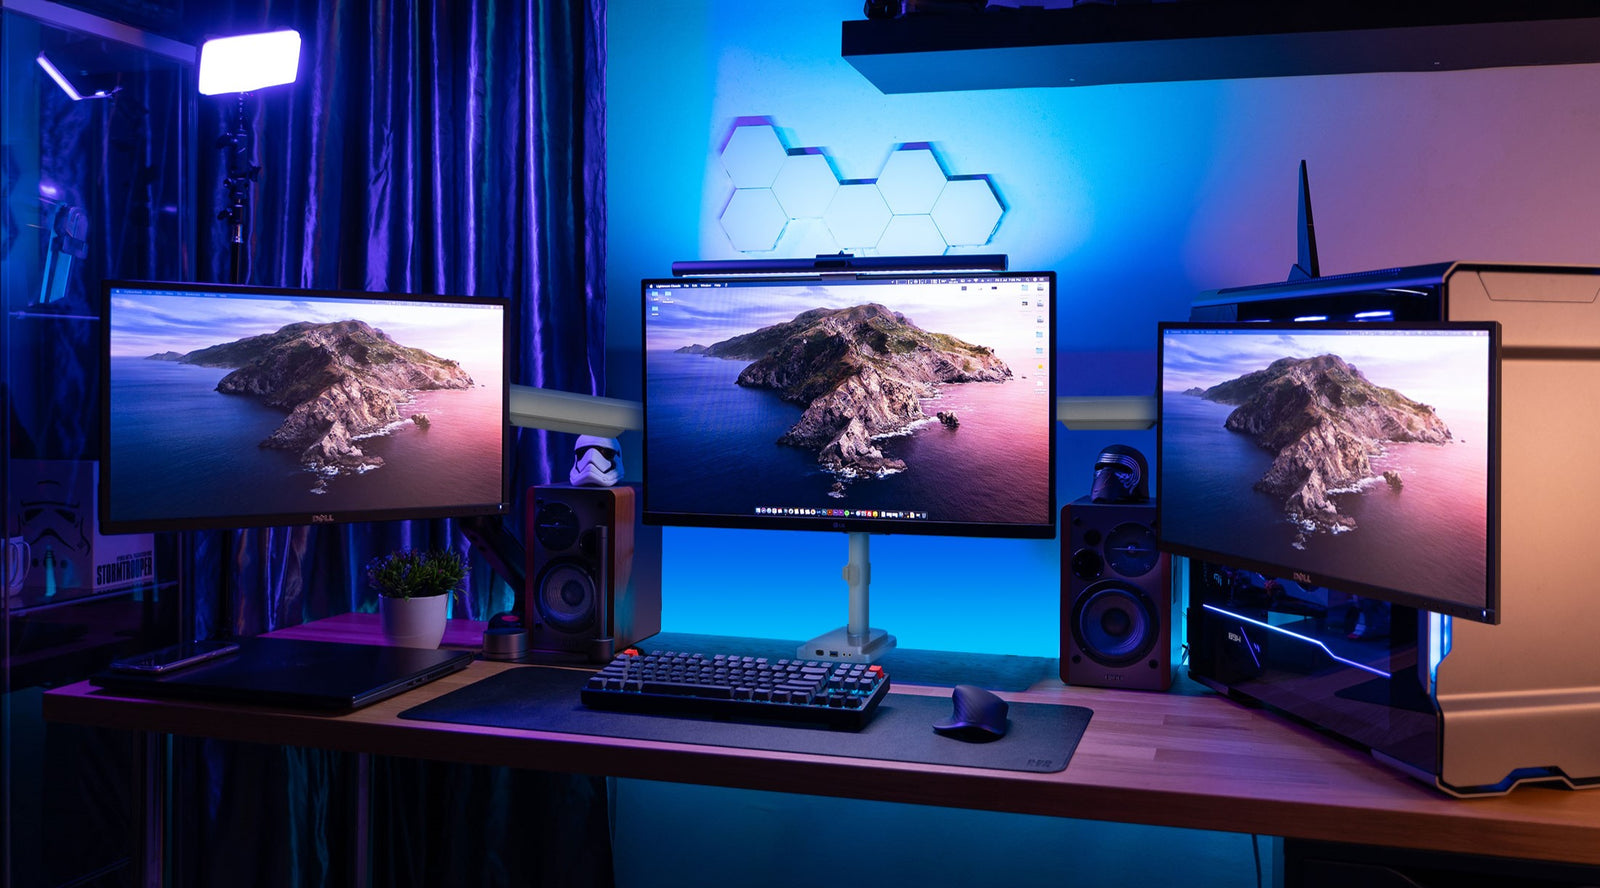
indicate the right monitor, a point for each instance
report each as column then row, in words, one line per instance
column 1362, row 457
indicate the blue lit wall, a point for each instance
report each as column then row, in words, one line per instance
column 1138, row 196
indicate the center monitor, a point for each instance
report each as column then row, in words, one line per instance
column 1359, row 457
column 856, row 403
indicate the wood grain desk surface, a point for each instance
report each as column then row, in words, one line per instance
column 1201, row 762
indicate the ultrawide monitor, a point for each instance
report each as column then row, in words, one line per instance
column 230, row 406
column 902, row 403
column 1360, row 457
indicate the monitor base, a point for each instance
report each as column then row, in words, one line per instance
column 842, row 644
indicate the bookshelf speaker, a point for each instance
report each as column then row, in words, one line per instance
column 1116, row 598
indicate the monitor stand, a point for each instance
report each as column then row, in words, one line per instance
column 855, row 642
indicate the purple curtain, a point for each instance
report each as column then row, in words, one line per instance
column 430, row 147
column 427, row 147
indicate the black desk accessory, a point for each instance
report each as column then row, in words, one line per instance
column 1041, row 739
column 325, row 676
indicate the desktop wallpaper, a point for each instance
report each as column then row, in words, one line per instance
column 1358, row 456
column 923, row 404
column 314, row 405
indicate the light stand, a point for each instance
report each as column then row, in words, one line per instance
column 239, row 66
column 238, row 146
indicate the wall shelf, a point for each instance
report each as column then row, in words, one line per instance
column 1095, row 44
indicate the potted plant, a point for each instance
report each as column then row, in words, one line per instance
column 414, row 593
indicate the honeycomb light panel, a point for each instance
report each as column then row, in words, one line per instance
column 753, row 220
column 911, row 235
column 912, row 208
column 249, row 62
column 753, row 156
column 911, row 181
column 857, row 215
column 967, row 212
column 805, row 185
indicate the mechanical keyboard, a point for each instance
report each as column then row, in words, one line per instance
column 835, row 695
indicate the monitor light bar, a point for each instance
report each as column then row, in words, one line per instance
column 249, row 62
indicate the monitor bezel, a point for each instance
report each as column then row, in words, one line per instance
column 1490, row 611
column 1043, row 529
column 114, row 524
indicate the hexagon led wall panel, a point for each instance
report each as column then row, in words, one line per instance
column 857, row 215
column 753, row 220
column 791, row 199
column 753, row 156
column 911, row 181
column 911, row 235
column 805, row 185
column 967, row 212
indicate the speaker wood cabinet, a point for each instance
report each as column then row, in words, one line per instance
column 583, row 597
column 1116, row 598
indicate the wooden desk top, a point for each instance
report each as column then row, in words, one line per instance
column 1200, row 762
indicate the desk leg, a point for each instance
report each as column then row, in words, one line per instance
column 154, row 754
column 361, row 842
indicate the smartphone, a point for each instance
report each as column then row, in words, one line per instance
column 178, row 656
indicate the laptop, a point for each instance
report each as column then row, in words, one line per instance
column 326, row 676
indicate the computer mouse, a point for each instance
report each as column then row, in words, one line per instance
column 977, row 716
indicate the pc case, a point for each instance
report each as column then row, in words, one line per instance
column 1471, row 708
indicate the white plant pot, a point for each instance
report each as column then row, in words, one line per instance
column 414, row 622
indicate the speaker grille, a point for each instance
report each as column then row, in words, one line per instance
column 1114, row 624
column 566, row 596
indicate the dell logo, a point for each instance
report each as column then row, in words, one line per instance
column 1302, row 578
column 322, row 518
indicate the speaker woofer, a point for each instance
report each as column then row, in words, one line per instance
column 1114, row 624
column 566, row 596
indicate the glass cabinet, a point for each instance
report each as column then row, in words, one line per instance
column 97, row 139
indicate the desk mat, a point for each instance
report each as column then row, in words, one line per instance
column 1042, row 736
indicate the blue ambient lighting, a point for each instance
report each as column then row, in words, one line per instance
column 912, row 207
column 1440, row 636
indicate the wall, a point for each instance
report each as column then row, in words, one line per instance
column 1138, row 196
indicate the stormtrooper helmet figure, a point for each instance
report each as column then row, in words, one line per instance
column 596, row 462
column 1119, row 476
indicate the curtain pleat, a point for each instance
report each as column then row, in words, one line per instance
column 427, row 147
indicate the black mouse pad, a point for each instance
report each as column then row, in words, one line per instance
column 1041, row 738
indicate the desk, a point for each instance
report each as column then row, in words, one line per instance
column 1199, row 762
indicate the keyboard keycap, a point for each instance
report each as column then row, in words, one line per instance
column 686, row 683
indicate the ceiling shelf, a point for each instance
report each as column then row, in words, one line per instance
column 1092, row 44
